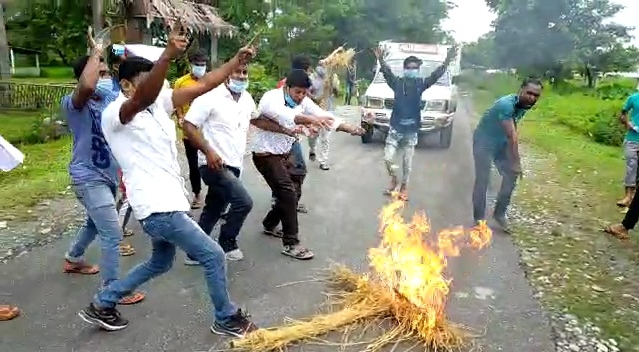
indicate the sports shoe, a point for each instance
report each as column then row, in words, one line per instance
column 108, row 318
column 238, row 325
column 190, row 261
column 234, row 255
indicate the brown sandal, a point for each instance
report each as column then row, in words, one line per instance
column 8, row 312
column 617, row 231
column 135, row 297
column 126, row 250
column 82, row 268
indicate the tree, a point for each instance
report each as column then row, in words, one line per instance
column 5, row 65
column 535, row 36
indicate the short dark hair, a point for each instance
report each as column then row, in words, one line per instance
column 298, row 79
column 533, row 81
column 412, row 60
column 301, row 62
column 79, row 65
column 133, row 66
column 198, row 56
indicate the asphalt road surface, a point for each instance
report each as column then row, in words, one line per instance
column 490, row 292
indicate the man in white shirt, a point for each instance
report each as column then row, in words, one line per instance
column 224, row 115
column 142, row 137
column 289, row 107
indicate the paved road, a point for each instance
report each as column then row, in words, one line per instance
column 490, row 291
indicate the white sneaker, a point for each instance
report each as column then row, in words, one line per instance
column 190, row 262
column 234, row 255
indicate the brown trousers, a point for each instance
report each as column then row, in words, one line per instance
column 287, row 190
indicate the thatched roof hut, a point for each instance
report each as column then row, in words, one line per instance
column 199, row 16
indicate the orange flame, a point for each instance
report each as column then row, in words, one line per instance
column 411, row 265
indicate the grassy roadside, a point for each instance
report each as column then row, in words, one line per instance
column 42, row 176
column 571, row 190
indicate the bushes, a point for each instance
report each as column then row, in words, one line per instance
column 590, row 112
column 31, row 127
column 260, row 81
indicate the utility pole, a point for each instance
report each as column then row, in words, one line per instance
column 98, row 10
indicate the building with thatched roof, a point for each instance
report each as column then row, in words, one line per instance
column 199, row 16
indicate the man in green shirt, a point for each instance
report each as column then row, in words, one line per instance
column 631, row 146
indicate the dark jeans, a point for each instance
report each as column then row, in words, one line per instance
column 224, row 188
column 485, row 154
column 276, row 170
column 632, row 216
column 194, row 173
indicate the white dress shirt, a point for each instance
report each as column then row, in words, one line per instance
column 146, row 150
column 224, row 123
column 274, row 106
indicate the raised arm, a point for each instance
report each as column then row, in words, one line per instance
column 90, row 74
column 212, row 79
column 391, row 79
column 429, row 81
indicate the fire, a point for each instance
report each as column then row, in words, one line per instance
column 410, row 263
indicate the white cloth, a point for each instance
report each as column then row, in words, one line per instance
column 224, row 123
column 10, row 156
column 147, row 152
column 274, row 106
column 148, row 52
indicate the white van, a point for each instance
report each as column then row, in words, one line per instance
column 439, row 102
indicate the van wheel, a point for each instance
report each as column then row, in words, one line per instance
column 446, row 137
column 368, row 136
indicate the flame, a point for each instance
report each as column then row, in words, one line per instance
column 410, row 263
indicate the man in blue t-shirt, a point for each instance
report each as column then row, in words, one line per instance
column 406, row 116
column 93, row 170
column 495, row 140
column 631, row 146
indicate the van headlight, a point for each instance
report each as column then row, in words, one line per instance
column 436, row 105
column 374, row 103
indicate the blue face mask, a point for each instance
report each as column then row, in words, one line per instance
column 104, row 87
column 236, row 86
column 411, row 73
column 289, row 101
column 198, row 71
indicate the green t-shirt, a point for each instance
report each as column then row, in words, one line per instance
column 632, row 107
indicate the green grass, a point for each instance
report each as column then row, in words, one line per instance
column 577, row 182
column 44, row 172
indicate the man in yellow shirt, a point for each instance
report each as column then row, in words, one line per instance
column 198, row 69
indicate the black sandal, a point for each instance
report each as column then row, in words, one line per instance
column 273, row 233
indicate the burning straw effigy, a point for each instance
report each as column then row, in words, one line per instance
column 407, row 285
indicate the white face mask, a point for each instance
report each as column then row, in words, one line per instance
column 198, row 71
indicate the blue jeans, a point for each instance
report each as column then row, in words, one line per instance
column 98, row 198
column 168, row 230
column 485, row 154
column 299, row 166
column 225, row 188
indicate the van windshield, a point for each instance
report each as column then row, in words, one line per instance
column 397, row 67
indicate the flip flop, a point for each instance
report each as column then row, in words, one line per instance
column 135, row 297
column 609, row 229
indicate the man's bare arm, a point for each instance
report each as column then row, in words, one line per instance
column 88, row 80
column 513, row 140
column 212, row 79
column 266, row 124
column 195, row 137
column 147, row 90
